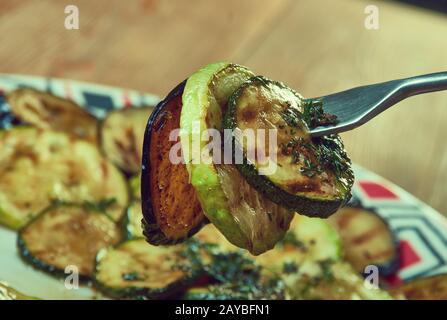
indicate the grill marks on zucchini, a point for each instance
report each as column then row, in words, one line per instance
column 136, row 269
column 64, row 235
column 122, row 134
column 367, row 239
column 312, row 176
column 171, row 209
column 46, row 111
column 37, row 167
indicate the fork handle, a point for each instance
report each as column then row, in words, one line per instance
column 422, row 84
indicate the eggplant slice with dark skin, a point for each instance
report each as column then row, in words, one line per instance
column 171, row 210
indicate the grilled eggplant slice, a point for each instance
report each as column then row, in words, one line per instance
column 239, row 211
column 310, row 176
column 170, row 206
column 67, row 235
column 367, row 239
column 430, row 288
column 137, row 269
column 39, row 166
column 46, row 111
column 122, row 134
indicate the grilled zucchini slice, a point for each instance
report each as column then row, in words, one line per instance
column 430, row 288
column 132, row 221
column 122, row 134
column 333, row 281
column 308, row 240
column 39, row 166
column 245, row 217
column 9, row 293
column 310, row 176
column 367, row 239
column 66, row 234
column 46, row 111
column 136, row 269
column 135, row 187
column 170, row 206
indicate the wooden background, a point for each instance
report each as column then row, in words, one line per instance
column 316, row 47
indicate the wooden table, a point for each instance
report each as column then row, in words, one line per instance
column 317, row 47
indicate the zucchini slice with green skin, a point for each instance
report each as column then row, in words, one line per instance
column 367, row 239
column 9, row 293
column 67, row 235
column 310, row 176
column 122, row 135
column 39, row 166
column 429, row 288
column 46, row 111
column 136, row 269
column 171, row 210
column 132, row 221
column 308, row 240
column 135, row 187
column 245, row 217
column 333, row 281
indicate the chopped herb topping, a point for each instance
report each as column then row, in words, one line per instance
column 290, row 267
column 291, row 239
column 291, row 116
column 238, row 276
column 326, row 269
column 310, row 169
column 315, row 116
column 131, row 276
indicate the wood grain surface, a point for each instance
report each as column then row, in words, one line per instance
column 316, row 47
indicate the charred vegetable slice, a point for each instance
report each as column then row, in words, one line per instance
column 308, row 240
column 241, row 213
column 367, row 239
column 122, row 134
column 65, row 235
column 132, row 221
column 38, row 167
column 46, row 111
column 280, row 159
column 430, row 288
column 170, row 206
column 9, row 293
column 333, row 281
column 137, row 269
column 135, row 187
column 263, row 290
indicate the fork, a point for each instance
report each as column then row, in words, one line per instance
column 357, row 106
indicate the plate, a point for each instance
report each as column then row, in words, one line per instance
column 420, row 230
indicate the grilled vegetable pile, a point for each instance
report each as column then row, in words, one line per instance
column 70, row 185
column 251, row 208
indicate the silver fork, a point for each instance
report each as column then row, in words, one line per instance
column 356, row 106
